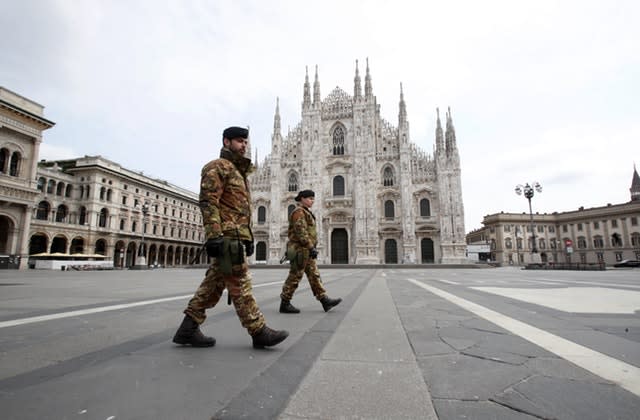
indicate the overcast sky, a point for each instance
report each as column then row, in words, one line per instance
column 545, row 91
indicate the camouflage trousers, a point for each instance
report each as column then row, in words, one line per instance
column 239, row 288
column 308, row 267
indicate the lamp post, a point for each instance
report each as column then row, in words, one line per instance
column 529, row 191
column 141, row 259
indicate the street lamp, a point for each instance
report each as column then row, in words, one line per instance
column 528, row 191
column 141, row 260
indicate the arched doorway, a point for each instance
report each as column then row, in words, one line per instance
column 261, row 251
column 77, row 245
column 38, row 244
column 390, row 251
column 339, row 247
column 59, row 244
column 5, row 227
column 426, row 248
column 101, row 247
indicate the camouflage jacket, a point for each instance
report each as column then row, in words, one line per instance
column 225, row 199
column 302, row 228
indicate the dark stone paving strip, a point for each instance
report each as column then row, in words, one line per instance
column 268, row 394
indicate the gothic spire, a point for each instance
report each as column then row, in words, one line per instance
column 306, row 101
column 316, row 89
column 450, row 134
column 439, row 137
column 357, row 93
column 635, row 185
column 402, row 117
column 368, row 90
column 276, row 118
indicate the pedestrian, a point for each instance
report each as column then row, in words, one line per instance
column 302, row 254
column 226, row 213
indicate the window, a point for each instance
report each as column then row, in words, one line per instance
column 68, row 191
column 635, row 239
column 41, row 183
column 4, row 153
column 596, row 225
column 389, row 210
column 582, row 242
column 579, row 227
column 102, row 222
column 338, row 186
column 121, row 224
column 61, row 213
column 508, row 244
column 542, row 244
column 614, row 223
column 564, row 228
column 634, row 221
column 598, row 242
column 552, row 243
column 43, row 211
column 292, row 184
column 51, row 186
column 600, row 257
column 540, row 228
column 616, row 240
column 83, row 216
column 14, row 165
column 338, row 141
column 506, row 228
column 103, row 193
column 425, row 208
column 618, row 256
column 60, row 189
column 387, row 177
column 262, row 215
column 552, row 229
column 519, row 242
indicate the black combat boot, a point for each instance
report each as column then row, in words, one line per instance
column 328, row 303
column 267, row 337
column 287, row 308
column 189, row 334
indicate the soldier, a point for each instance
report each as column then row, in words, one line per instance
column 302, row 253
column 226, row 211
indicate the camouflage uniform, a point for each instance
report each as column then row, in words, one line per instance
column 225, row 203
column 302, row 238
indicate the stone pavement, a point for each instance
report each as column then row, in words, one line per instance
column 401, row 352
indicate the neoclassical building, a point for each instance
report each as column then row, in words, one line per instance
column 22, row 123
column 379, row 197
column 91, row 205
column 605, row 234
column 85, row 206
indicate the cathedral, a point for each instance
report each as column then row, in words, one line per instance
column 380, row 199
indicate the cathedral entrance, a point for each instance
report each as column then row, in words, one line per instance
column 390, row 251
column 261, row 251
column 339, row 247
column 426, row 246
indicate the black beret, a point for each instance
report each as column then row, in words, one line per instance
column 305, row 194
column 235, row 132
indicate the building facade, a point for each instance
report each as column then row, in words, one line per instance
column 91, row 205
column 22, row 123
column 379, row 198
column 606, row 234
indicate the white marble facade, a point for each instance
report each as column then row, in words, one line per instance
column 379, row 197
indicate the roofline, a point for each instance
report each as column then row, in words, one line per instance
column 27, row 114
